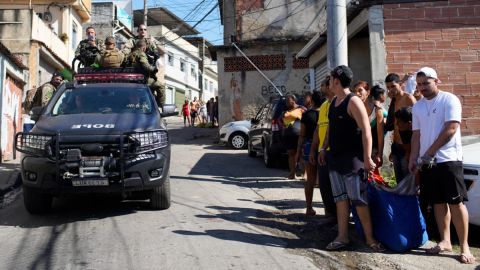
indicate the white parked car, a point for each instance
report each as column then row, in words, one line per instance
column 471, row 169
column 235, row 134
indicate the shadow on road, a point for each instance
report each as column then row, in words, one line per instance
column 290, row 230
column 62, row 223
column 245, row 182
column 71, row 210
column 246, row 237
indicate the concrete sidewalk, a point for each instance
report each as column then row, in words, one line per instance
column 10, row 181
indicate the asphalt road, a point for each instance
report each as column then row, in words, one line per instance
column 228, row 212
column 211, row 224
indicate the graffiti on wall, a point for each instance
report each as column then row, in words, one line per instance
column 11, row 117
column 235, row 99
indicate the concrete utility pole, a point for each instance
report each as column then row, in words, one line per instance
column 145, row 12
column 337, row 36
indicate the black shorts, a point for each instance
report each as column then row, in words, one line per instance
column 443, row 183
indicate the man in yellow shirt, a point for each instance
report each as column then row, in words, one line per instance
column 318, row 139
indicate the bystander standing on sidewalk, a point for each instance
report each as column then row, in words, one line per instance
column 318, row 140
column 373, row 99
column 186, row 113
column 436, row 139
column 307, row 130
column 350, row 141
column 291, row 122
column 193, row 111
column 402, row 99
column 215, row 112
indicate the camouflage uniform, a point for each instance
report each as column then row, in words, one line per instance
column 39, row 97
column 86, row 52
column 110, row 58
column 139, row 60
column 153, row 46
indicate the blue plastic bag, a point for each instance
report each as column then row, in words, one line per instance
column 397, row 220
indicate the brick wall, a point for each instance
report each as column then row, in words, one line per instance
column 444, row 35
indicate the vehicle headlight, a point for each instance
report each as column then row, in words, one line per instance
column 150, row 140
column 34, row 144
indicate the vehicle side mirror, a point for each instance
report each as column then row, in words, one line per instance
column 254, row 121
column 35, row 113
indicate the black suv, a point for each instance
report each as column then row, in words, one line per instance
column 101, row 134
column 265, row 135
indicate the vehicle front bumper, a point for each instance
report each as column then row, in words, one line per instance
column 136, row 176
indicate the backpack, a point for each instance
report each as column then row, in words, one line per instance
column 111, row 58
column 33, row 99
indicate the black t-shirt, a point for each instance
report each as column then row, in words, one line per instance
column 309, row 119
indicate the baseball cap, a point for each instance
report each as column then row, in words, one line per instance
column 343, row 73
column 429, row 72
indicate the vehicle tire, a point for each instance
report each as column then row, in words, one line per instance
column 251, row 153
column 35, row 202
column 267, row 157
column 238, row 140
column 160, row 196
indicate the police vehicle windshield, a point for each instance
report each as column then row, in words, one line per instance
column 94, row 99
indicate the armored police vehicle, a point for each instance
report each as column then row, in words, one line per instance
column 103, row 133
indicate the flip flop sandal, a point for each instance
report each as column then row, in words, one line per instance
column 437, row 250
column 377, row 247
column 336, row 245
column 467, row 258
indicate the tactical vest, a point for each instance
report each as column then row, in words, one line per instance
column 111, row 58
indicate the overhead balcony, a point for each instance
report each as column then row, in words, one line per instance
column 41, row 32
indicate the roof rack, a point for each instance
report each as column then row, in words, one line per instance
column 110, row 75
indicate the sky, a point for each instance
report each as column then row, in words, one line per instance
column 210, row 28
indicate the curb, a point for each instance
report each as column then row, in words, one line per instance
column 9, row 192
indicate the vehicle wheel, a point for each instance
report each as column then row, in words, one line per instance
column 160, row 196
column 35, row 202
column 238, row 140
column 267, row 158
column 251, row 153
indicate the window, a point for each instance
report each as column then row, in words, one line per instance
column 205, row 84
column 193, row 71
column 92, row 99
column 182, row 65
column 211, row 86
column 170, row 59
column 74, row 35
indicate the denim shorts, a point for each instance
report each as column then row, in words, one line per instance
column 306, row 150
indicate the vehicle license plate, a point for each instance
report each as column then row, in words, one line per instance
column 89, row 182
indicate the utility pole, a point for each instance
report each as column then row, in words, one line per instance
column 145, row 12
column 337, row 35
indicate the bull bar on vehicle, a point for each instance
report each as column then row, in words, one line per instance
column 132, row 148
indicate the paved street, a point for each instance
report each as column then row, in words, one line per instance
column 207, row 227
column 228, row 212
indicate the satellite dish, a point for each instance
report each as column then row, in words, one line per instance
column 47, row 17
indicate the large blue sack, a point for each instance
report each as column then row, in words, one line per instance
column 397, row 220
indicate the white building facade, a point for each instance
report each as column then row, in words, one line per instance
column 181, row 62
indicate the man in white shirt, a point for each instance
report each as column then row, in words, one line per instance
column 436, row 139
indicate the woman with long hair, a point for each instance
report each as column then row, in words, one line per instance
column 373, row 100
column 307, row 130
column 291, row 122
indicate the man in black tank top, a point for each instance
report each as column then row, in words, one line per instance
column 350, row 141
